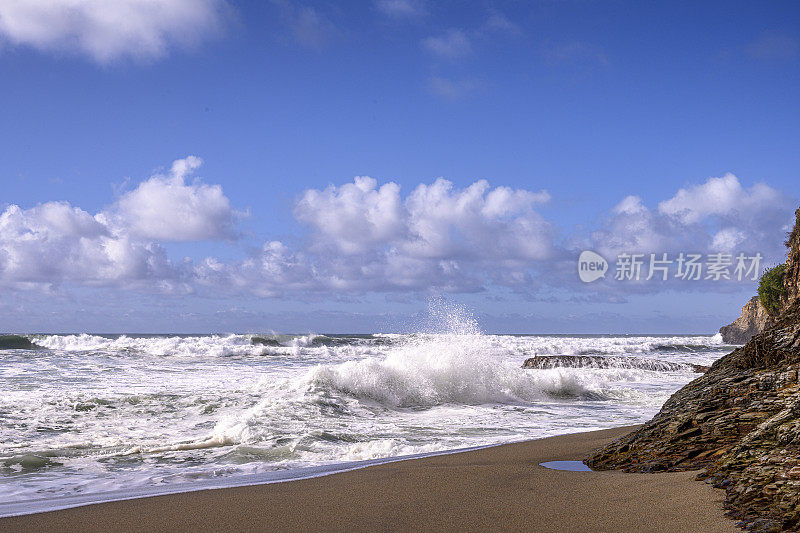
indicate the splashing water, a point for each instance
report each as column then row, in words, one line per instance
column 450, row 319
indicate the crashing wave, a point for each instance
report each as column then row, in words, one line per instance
column 422, row 382
column 174, row 345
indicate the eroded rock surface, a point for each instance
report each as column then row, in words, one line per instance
column 607, row 361
column 752, row 321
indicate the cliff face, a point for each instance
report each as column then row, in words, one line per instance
column 792, row 276
column 751, row 322
column 740, row 422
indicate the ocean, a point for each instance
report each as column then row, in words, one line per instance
column 101, row 415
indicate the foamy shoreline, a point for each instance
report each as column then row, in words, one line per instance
column 246, row 480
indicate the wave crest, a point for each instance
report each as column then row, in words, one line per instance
column 201, row 346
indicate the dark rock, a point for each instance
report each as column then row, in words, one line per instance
column 751, row 322
column 601, row 361
column 17, row 342
column 265, row 341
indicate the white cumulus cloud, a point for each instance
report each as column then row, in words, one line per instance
column 368, row 237
column 723, row 196
column 446, row 223
column 718, row 215
column 355, row 215
column 107, row 30
column 166, row 208
column 55, row 243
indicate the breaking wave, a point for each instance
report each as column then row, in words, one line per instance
column 194, row 346
column 456, row 365
column 188, row 346
column 426, row 378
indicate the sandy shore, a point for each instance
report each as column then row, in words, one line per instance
column 498, row 488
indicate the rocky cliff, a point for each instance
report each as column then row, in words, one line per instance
column 751, row 322
column 791, row 278
column 739, row 422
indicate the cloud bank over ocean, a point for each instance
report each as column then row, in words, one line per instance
column 365, row 236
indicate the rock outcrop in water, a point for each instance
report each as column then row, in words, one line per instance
column 740, row 422
column 752, row 321
column 265, row 341
column 602, row 361
column 17, row 342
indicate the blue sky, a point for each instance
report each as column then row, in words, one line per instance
column 565, row 109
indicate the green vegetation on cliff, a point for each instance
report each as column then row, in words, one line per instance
column 771, row 289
